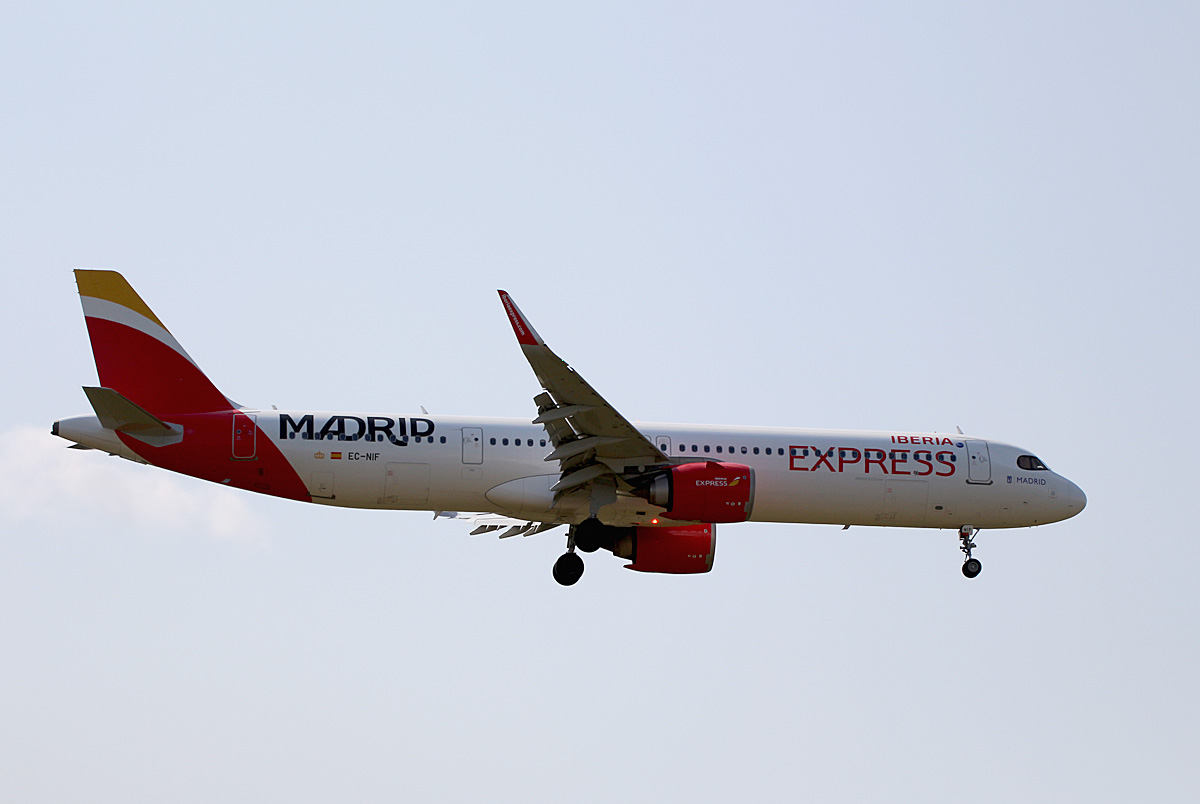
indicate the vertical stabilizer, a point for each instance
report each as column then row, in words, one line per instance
column 135, row 354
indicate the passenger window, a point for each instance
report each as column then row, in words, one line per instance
column 694, row 448
column 768, row 450
column 718, row 447
column 743, row 450
column 504, row 441
column 756, row 450
column 492, row 441
column 543, row 442
column 706, row 448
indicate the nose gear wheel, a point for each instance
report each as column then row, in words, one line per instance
column 971, row 566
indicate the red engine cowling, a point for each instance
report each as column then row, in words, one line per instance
column 705, row 492
column 679, row 550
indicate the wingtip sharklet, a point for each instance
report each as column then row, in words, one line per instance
column 526, row 334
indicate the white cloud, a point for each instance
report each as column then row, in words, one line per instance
column 40, row 479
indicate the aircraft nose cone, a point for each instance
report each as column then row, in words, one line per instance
column 1077, row 499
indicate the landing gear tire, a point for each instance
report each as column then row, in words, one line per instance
column 568, row 569
column 972, row 567
column 587, row 535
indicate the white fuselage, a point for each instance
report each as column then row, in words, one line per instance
column 812, row 476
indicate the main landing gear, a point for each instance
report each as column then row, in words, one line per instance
column 971, row 566
column 568, row 569
column 587, row 537
column 587, row 534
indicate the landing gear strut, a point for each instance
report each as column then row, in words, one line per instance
column 971, row 566
column 568, row 569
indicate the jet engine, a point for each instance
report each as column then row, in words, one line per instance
column 711, row 491
column 679, row 550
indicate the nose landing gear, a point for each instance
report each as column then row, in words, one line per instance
column 971, row 566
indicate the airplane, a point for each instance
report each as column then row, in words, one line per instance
column 651, row 494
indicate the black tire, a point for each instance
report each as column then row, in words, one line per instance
column 972, row 567
column 587, row 535
column 568, row 569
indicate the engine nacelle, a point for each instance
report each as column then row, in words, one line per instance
column 705, row 492
column 678, row 550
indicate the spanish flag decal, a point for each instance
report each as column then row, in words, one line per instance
column 337, row 456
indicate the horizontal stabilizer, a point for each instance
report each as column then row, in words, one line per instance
column 123, row 416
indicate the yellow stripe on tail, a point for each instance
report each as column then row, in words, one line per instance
column 111, row 286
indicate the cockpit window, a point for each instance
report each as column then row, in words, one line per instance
column 1031, row 463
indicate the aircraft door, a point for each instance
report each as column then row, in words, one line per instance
column 472, row 445
column 406, row 485
column 245, row 432
column 664, row 444
column 905, row 501
column 979, row 465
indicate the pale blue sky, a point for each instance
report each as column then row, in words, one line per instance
column 870, row 216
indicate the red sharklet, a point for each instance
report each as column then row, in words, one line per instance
column 526, row 336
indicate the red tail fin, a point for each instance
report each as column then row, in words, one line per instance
column 135, row 354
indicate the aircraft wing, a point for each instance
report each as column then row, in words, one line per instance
column 591, row 439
